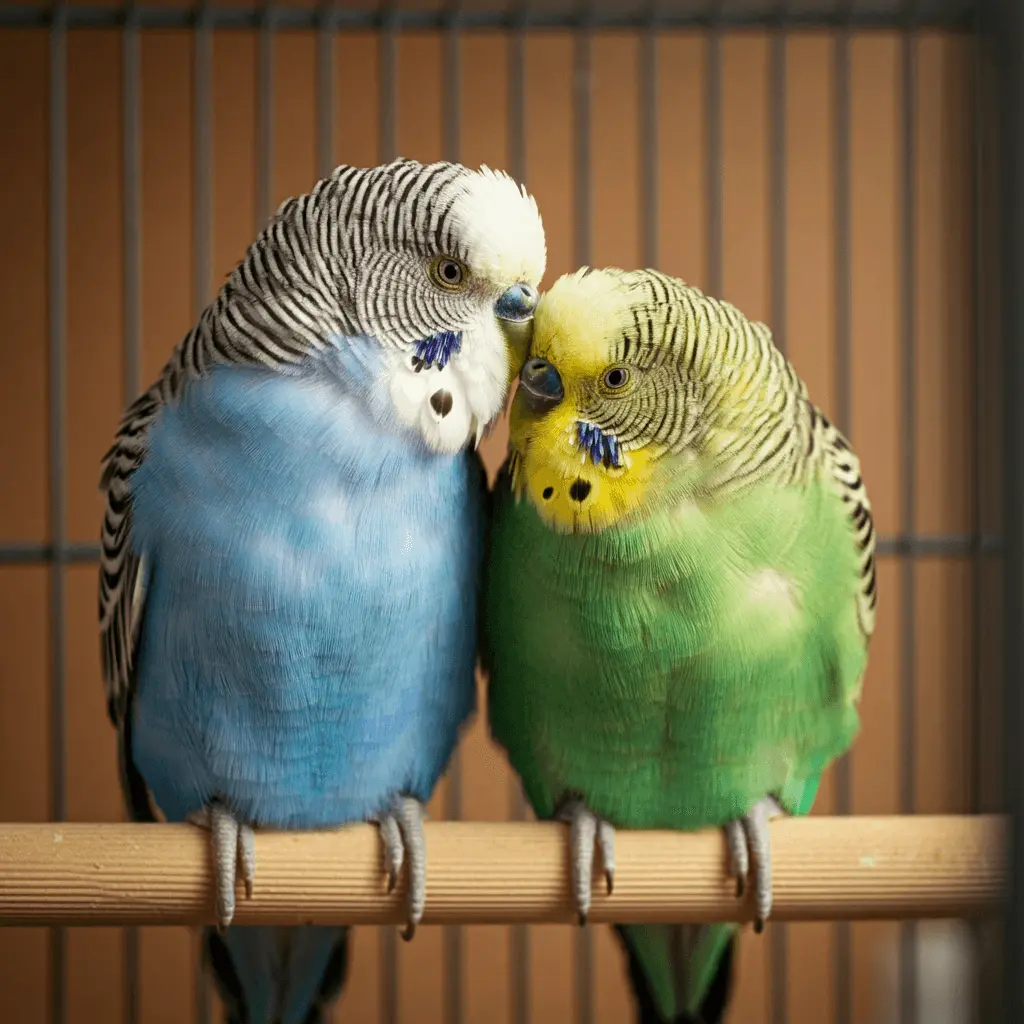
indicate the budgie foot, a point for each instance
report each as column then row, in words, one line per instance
column 401, row 828
column 749, row 836
column 233, row 846
column 586, row 830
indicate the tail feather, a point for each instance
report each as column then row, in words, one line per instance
column 680, row 974
column 277, row 975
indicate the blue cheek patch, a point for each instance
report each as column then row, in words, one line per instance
column 601, row 446
column 437, row 349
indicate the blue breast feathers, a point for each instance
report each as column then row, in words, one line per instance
column 309, row 634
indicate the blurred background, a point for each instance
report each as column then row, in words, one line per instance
column 818, row 166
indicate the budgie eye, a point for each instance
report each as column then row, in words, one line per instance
column 447, row 272
column 616, row 378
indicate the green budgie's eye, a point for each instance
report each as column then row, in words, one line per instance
column 447, row 272
column 616, row 378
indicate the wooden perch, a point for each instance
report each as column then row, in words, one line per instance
column 824, row 868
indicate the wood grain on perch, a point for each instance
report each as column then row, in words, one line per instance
column 824, row 868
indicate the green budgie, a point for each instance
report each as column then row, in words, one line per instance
column 678, row 614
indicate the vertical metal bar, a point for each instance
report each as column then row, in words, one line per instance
column 202, row 246
column 388, row 146
column 388, row 142
column 519, row 940
column 581, row 99
column 844, row 413
column 908, row 482
column 648, row 120
column 777, row 950
column 983, row 1007
column 713, row 127
column 325, row 91
column 265, row 118
column 57, row 257
column 131, row 156
column 451, row 144
column 1005, row 28
column 202, row 159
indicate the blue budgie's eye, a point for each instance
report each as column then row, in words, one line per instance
column 447, row 272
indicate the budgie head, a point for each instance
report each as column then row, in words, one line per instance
column 441, row 265
column 623, row 397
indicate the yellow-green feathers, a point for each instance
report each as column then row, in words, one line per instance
column 681, row 579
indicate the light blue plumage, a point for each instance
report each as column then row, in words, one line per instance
column 293, row 540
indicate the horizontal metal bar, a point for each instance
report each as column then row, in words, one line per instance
column 939, row 544
column 44, row 554
column 916, row 547
column 39, row 16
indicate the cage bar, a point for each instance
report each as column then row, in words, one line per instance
column 583, row 193
column 388, row 150
column 777, row 938
column 519, row 938
column 325, row 112
column 57, row 397
column 202, row 244
column 843, row 416
column 131, row 131
column 952, row 17
column 908, row 457
column 451, row 113
column 1003, row 40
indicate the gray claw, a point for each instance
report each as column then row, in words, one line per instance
column 749, row 837
column 394, row 851
column 401, row 829
column 234, row 846
column 586, row 830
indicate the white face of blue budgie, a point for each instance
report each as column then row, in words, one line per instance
column 439, row 256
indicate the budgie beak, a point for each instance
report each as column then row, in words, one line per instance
column 541, row 385
column 517, row 304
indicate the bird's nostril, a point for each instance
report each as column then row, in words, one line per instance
column 536, row 366
column 579, row 490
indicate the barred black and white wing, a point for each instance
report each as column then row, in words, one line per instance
column 295, row 287
column 844, row 467
column 276, row 307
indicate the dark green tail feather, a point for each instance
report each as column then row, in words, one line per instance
column 656, row 957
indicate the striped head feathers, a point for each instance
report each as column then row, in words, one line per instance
column 442, row 265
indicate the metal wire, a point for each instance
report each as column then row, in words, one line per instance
column 267, row 23
column 519, row 938
column 40, row 15
column 713, row 156
column 388, row 150
column 451, row 116
column 778, row 944
column 950, row 545
column 57, row 397
column 647, row 118
column 843, row 415
column 131, row 134
column 202, row 261
column 325, row 90
column 583, row 194
column 908, row 480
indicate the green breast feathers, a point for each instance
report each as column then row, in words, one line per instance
column 677, row 670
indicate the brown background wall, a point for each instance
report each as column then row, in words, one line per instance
column 942, row 760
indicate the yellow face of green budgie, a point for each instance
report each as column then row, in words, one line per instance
column 611, row 415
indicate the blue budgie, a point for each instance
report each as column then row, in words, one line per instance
column 293, row 539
